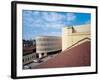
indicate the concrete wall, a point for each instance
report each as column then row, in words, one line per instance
column 70, row 37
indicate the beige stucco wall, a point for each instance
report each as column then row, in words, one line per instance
column 69, row 38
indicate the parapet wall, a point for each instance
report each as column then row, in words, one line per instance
column 74, row 34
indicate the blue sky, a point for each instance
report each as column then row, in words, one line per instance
column 42, row 23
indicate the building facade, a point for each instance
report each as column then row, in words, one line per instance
column 29, row 51
column 73, row 34
column 29, row 43
column 46, row 45
column 29, row 54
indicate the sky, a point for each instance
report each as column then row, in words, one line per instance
column 45, row 23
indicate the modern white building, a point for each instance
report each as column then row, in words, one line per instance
column 73, row 34
column 47, row 45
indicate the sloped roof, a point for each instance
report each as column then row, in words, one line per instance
column 74, row 57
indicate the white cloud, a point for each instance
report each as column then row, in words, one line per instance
column 52, row 17
column 47, row 20
column 36, row 13
column 70, row 17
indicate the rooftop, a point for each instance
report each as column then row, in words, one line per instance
column 74, row 57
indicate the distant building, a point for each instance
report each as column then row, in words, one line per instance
column 46, row 45
column 29, row 43
column 29, row 51
column 73, row 34
column 29, row 54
